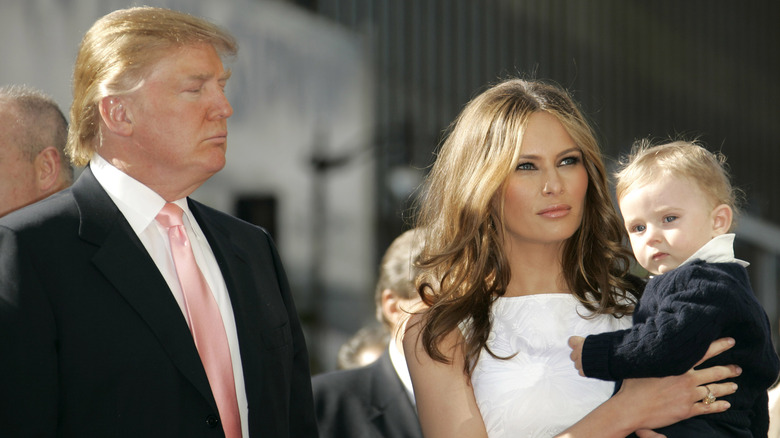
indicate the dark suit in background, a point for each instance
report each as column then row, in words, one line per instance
column 366, row 402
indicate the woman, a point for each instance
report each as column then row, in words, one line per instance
column 523, row 249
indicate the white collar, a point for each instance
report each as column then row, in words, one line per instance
column 138, row 203
column 718, row 250
column 399, row 363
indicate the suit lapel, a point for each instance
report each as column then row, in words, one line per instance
column 230, row 258
column 391, row 402
column 238, row 277
column 124, row 261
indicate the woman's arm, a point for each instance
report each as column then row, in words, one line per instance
column 445, row 399
column 656, row 402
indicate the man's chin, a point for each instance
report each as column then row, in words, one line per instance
column 217, row 161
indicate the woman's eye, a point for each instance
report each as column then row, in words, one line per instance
column 568, row 161
column 525, row 166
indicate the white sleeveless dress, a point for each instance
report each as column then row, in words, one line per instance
column 537, row 393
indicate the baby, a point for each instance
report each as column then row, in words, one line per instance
column 677, row 204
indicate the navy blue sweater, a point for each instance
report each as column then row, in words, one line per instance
column 680, row 313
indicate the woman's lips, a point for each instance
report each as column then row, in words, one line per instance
column 555, row 211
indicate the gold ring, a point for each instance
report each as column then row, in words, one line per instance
column 710, row 398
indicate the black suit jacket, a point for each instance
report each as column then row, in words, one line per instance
column 364, row 402
column 94, row 345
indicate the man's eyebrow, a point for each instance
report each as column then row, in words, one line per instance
column 206, row 76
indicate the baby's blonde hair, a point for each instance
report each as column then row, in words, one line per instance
column 686, row 159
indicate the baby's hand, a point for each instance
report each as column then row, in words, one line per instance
column 576, row 342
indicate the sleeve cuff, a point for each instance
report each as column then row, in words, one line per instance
column 596, row 353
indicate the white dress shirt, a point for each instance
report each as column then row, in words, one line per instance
column 399, row 363
column 140, row 205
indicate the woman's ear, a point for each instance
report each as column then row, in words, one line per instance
column 116, row 115
column 722, row 216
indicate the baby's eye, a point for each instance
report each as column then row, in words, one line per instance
column 668, row 219
column 525, row 166
column 637, row 228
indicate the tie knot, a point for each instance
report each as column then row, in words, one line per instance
column 170, row 215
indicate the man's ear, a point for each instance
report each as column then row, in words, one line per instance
column 390, row 306
column 116, row 115
column 722, row 216
column 47, row 169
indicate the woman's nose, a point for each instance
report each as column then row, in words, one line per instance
column 552, row 185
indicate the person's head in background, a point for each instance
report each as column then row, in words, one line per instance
column 674, row 198
column 364, row 347
column 395, row 297
column 33, row 132
column 396, row 294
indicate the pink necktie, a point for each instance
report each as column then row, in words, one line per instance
column 205, row 321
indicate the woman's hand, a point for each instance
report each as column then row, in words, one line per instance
column 645, row 404
column 663, row 401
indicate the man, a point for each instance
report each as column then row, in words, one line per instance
column 377, row 400
column 33, row 132
column 127, row 309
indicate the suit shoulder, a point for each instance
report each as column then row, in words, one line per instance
column 226, row 220
column 342, row 380
column 55, row 208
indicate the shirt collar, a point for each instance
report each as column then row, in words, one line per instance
column 138, row 203
column 399, row 363
column 718, row 250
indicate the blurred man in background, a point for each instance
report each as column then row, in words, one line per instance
column 33, row 133
column 377, row 399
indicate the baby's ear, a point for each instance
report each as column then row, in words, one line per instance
column 721, row 219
